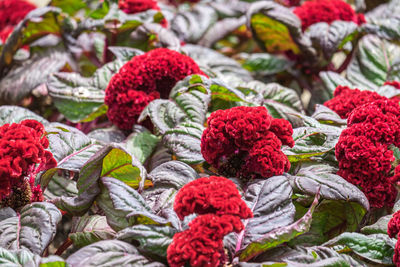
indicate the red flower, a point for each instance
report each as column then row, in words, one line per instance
column 363, row 150
column 229, row 143
column 22, row 153
column 201, row 245
column 328, row 11
column 137, row 6
column 220, row 208
column 13, row 11
column 396, row 256
column 346, row 99
column 394, row 225
column 143, row 79
column 212, row 194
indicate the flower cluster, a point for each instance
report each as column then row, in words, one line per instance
column 345, row 100
column 394, row 232
column 363, row 150
column 137, row 6
column 11, row 13
column 220, row 209
column 328, row 11
column 22, row 154
column 246, row 142
column 143, row 79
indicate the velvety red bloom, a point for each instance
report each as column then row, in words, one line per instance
column 13, row 11
column 345, row 100
column 266, row 159
column 143, row 79
column 212, row 194
column 363, row 150
column 394, row 225
column 137, row 6
column 229, row 143
column 396, row 256
column 22, row 152
column 5, row 32
column 311, row 12
column 201, row 245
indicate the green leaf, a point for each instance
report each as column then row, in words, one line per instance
column 378, row 248
column 380, row 227
column 107, row 135
column 280, row 235
column 191, row 25
column 332, row 186
column 281, row 102
column 332, row 80
column 34, row 228
column 69, row 6
column 189, row 103
column 60, row 186
column 90, row 229
column 387, row 28
column 271, row 203
column 110, row 160
column 152, row 238
column 184, row 142
column 77, row 97
column 23, row 257
column 22, row 79
column 329, row 38
column 124, row 206
column 36, row 24
column 331, row 218
column 15, row 114
column 109, row 253
column 312, row 142
column 70, row 147
column 142, row 145
column 325, row 115
column 172, row 174
column 374, row 63
column 125, row 53
column 216, row 64
column 264, row 64
column 277, row 29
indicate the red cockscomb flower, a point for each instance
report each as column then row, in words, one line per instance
column 212, row 194
column 394, row 225
column 11, row 13
column 363, row 150
column 220, row 208
column 328, row 11
column 22, row 153
column 229, row 143
column 137, row 6
column 346, row 99
column 394, row 232
column 143, row 79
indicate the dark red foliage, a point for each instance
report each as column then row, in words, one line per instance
column 5, row 32
column 22, row 147
column 311, row 12
column 13, row 11
column 212, row 194
column 229, row 143
column 394, row 225
column 143, row 79
column 363, row 150
column 137, row 6
column 346, row 99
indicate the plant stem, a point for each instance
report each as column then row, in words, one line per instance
column 67, row 243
